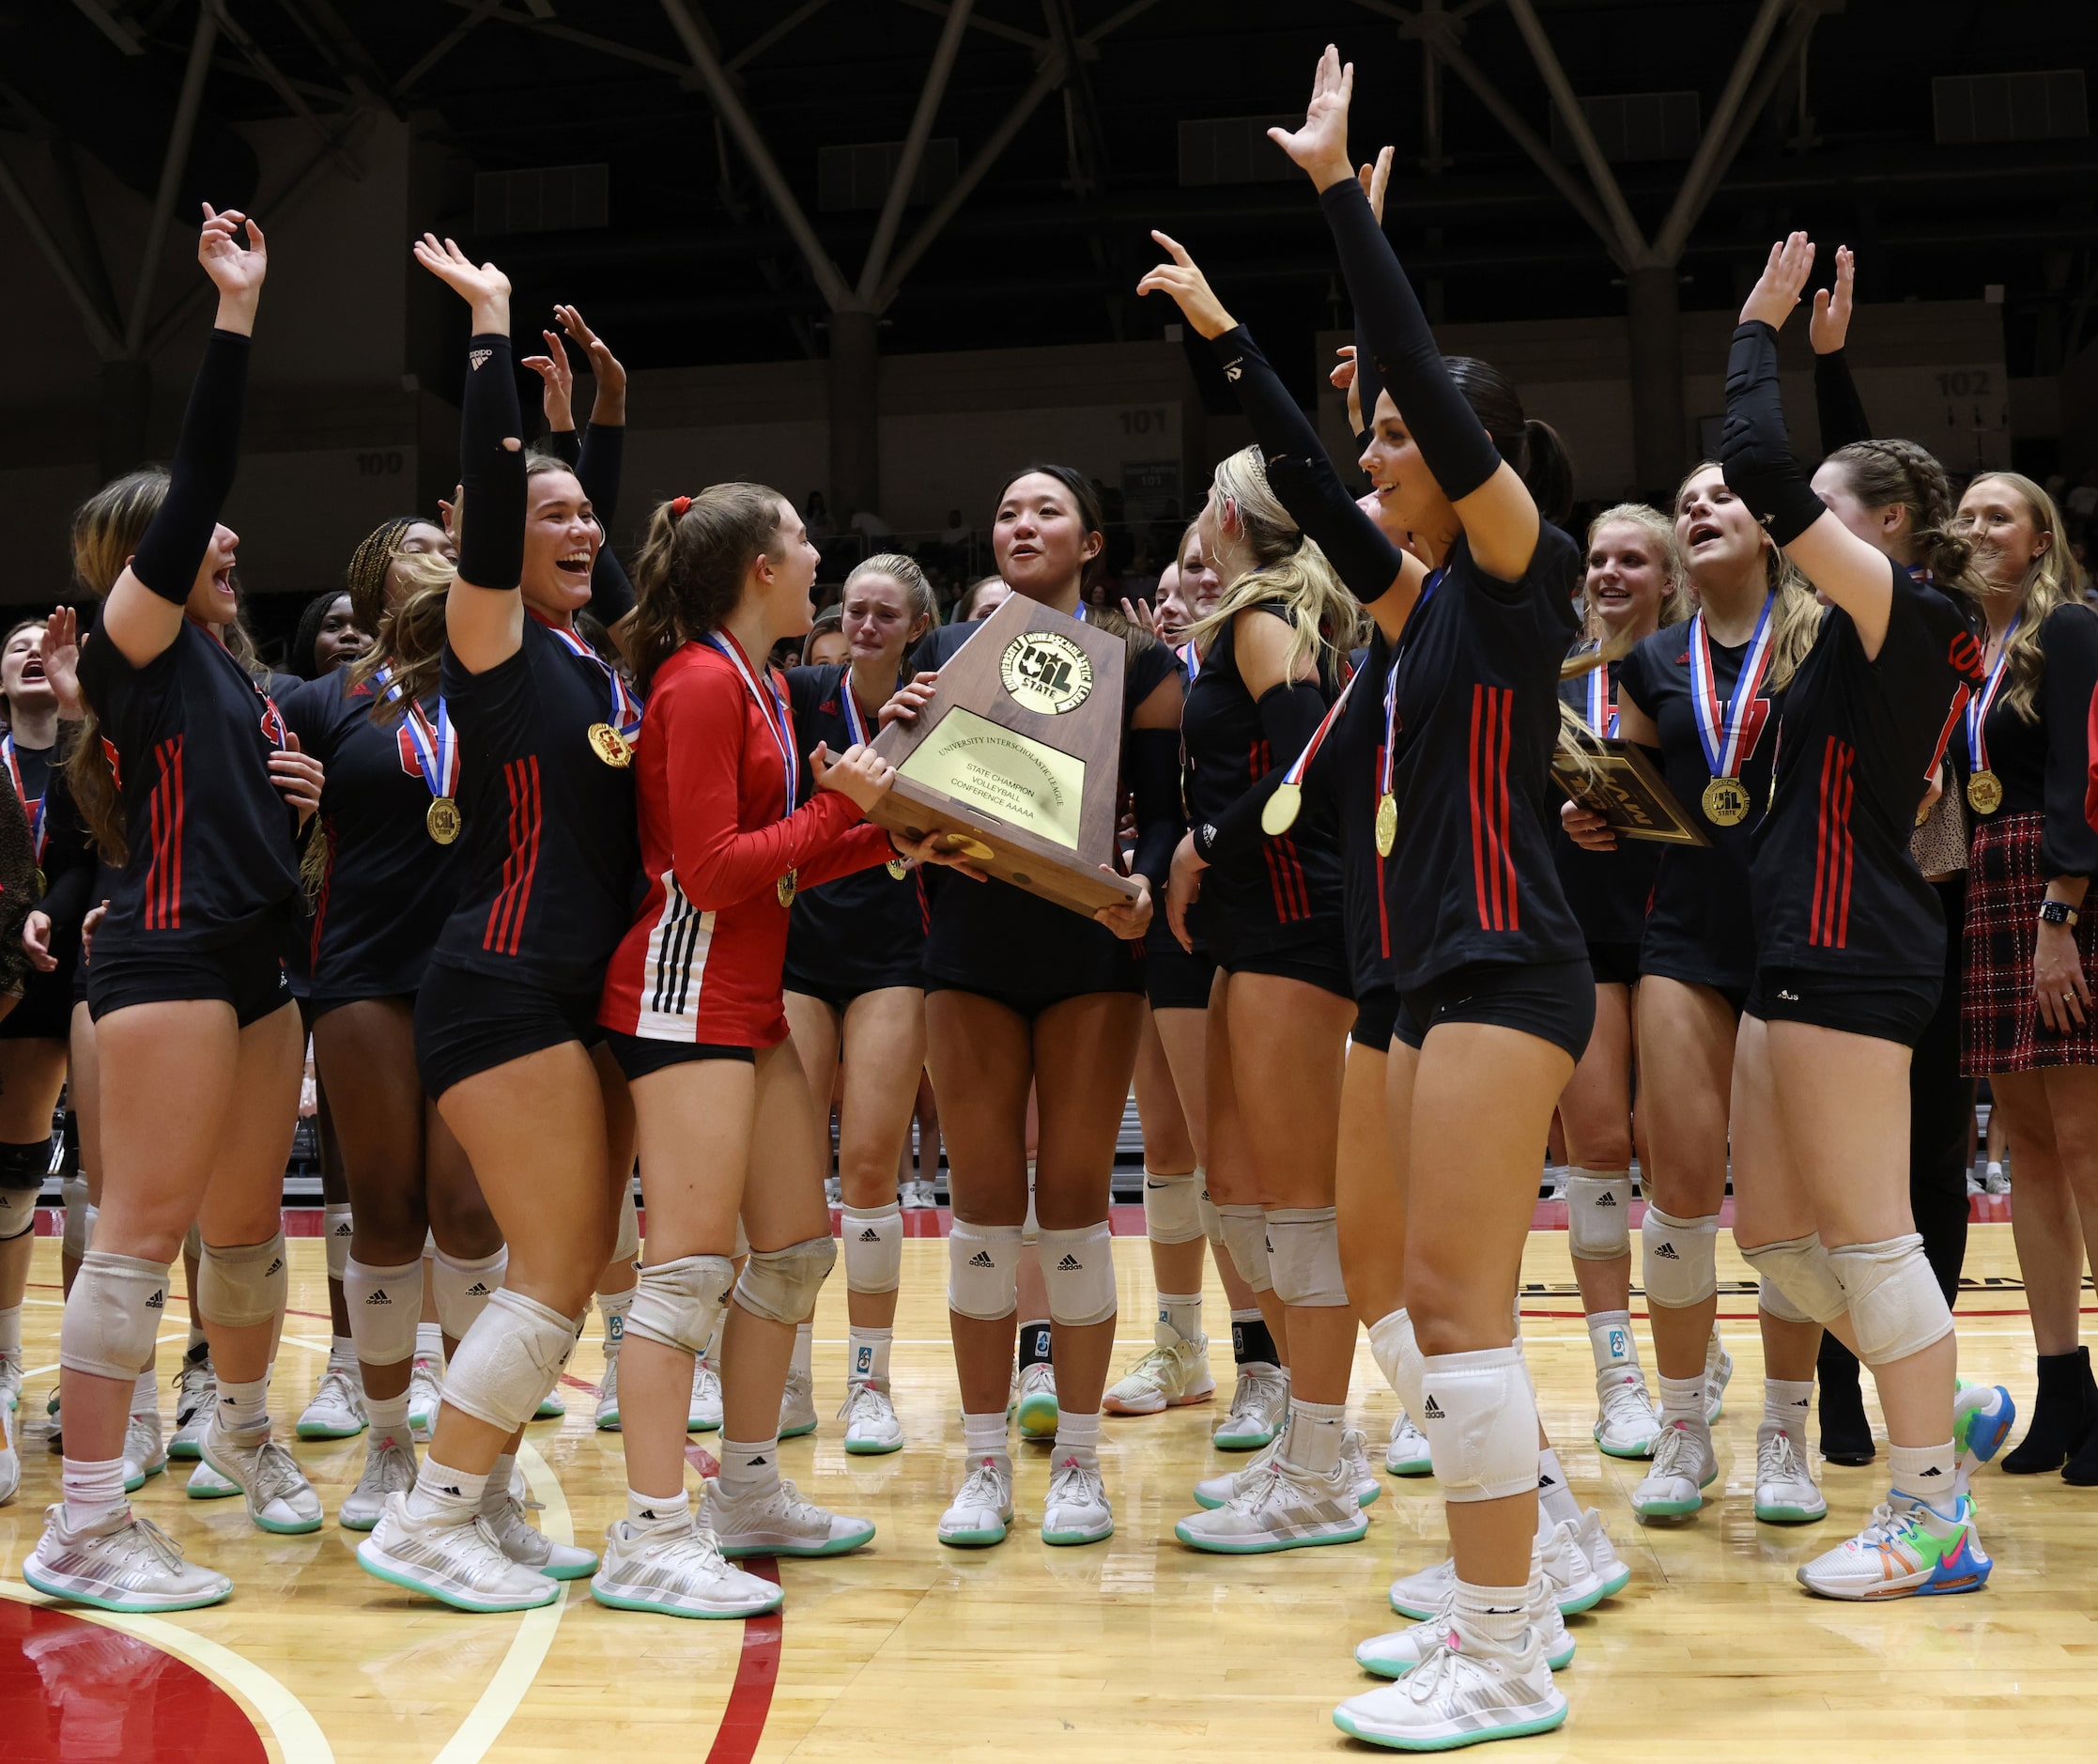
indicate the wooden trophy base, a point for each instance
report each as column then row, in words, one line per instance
column 912, row 810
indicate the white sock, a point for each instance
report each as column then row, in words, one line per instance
column 244, row 1407
column 867, row 1355
column 984, row 1435
column 1495, row 1615
column 657, row 1509
column 342, row 1355
column 615, row 1306
column 429, row 1342
column 389, row 1417
column 1925, row 1472
column 1996, row 1169
column 1077, row 1432
column 1179, row 1318
column 749, row 1467
column 805, row 1346
column 197, row 1339
column 1312, row 1439
column 1555, row 1501
column 1613, row 1343
column 1784, row 1406
column 449, row 1496
column 145, row 1393
column 1683, row 1399
column 11, row 1334
column 498, row 1489
column 93, row 1489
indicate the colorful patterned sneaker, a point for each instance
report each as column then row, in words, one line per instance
column 1077, row 1510
column 120, row 1563
column 1259, row 1405
column 1785, row 1493
column 1395, row 1655
column 797, row 1404
column 1172, row 1375
column 144, row 1454
column 704, row 1414
column 1626, row 1425
column 1407, row 1453
column 981, row 1512
column 197, row 1395
column 1683, row 1468
column 388, row 1470
column 1278, row 1506
column 425, row 1391
column 525, row 1544
column 337, row 1409
column 280, row 1499
column 1982, row 1415
column 1214, row 1491
column 1909, row 1549
column 776, row 1521
column 1719, row 1374
column 871, row 1428
column 677, row 1571
column 456, row 1562
column 1461, row 1693
column 1034, row 1402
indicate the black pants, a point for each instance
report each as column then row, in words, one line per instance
column 1940, row 1115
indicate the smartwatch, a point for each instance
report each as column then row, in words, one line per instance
column 2057, row 913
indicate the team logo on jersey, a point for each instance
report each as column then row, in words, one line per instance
column 1966, row 655
column 1047, row 672
column 272, row 722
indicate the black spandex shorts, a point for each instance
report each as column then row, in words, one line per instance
column 1554, row 1001
column 1032, row 1004
column 639, row 1057
column 46, row 1011
column 248, row 974
column 1734, row 993
column 1614, row 963
column 839, row 997
column 1173, row 979
column 1318, row 963
column 1889, row 1007
column 1376, row 1012
column 467, row 1023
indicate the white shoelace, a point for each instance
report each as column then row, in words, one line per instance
column 1253, row 1395
column 335, row 1385
column 1675, row 1454
column 1091, row 1491
column 864, row 1396
column 984, row 1487
column 146, row 1540
column 1778, row 1460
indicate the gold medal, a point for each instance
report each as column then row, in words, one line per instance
column 609, row 745
column 1278, row 814
column 897, row 868
column 1984, row 791
column 784, row 888
column 1387, row 824
column 1726, row 802
column 443, row 820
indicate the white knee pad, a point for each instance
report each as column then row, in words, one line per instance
column 873, row 1248
column 1481, row 1423
column 509, row 1360
column 112, row 1315
column 1398, row 1356
column 1173, row 1207
column 676, row 1303
column 781, row 1284
column 241, row 1285
column 627, row 1246
column 1246, row 1235
column 1213, row 1221
column 74, row 1242
column 336, row 1230
column 1681, row 1268
column 384, row 1306
column 1599, row 1214
column 1896, row 1305
column 983, row 1271
column 1303, row 1256
column 1798, row 1282
column 463, row 1286
column 1078, row 1268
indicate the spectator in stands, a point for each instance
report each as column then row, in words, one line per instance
column 815, row 516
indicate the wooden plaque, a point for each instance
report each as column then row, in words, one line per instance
column 1632, row 796
column 1017, row 758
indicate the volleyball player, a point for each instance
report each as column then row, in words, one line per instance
column 698, row 1021
column 1065, row 1021
column 506, row 1039
column 187, row 769
column 1849, row 953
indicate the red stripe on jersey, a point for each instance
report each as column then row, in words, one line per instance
column 1299, row 890
column 1501, row 770
column 1276, row 887
column 1492, row 861
column 1849, row 853
column 506, row 913
column 163, row 906
column 1829, row 922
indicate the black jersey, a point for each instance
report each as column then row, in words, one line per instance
column 549, row 856
column 1471, row 876
column 1285, row 891
column 1354, row 757
column 993, row 939
column 2044, row 765
column 1834, row 885
column 1608, row 891
column 211, row 841
column 866, row 930
column 388, row 887
column 1702, row 926
column 30, row 770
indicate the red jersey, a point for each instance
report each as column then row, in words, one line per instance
column 703, row 960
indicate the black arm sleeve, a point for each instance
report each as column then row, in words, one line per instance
column 1289, row 717
column 1754, row 453
column 2069, row 640
column 491, row 547
column 1303, row 476
column 566, row 446
column 1151, row 768
column 1451, row 439
column 611, row 595
column 598, row 463
column 1836, row 403
column 1369, row 383
column 206, row 459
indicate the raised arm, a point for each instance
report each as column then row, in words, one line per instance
column 1840, row 412
column 143, row 611
column 1757, row 459
column 483, row 610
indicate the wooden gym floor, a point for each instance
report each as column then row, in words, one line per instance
column 1134, row 1649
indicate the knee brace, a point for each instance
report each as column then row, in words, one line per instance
column 1246, row 1235
column 1681, row 1268
column 781, row 1284
column 509, row 1360
column 1173, row 1207
column 384, row 1305
column 627, row 1246
column 1798, row 1282
column 74, row 1242
column 1398, row 1356
column 983, row 1271
column 1078, row 1268
column 873, row 1248
column 463, row 1288
column 336, row 1229
column 676, row 1302
column 1481, row 1423
column 1303, row 1256
column 1213, row 1221
column 22, row 1168
column 1599, row 1214
column 112, row 1315
column 1897, row 1307
column 241, row 1285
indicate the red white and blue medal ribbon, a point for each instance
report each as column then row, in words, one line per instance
column 36, row 827
column 1192, row 660
column 1278, row 814
column 778, row 719
column 437, row 757
column 1602, row 705
column 1387, row 798
column 856, row 726
column 1722, row 728
column 626, row 708
column 1984, row 789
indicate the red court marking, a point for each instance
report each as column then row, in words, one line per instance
column 702, row 1460
column 75, row 1690
column 756, row 1671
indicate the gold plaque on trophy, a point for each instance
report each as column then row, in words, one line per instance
column 1023, row 782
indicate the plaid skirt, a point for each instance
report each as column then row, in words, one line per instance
column 2001, row 1030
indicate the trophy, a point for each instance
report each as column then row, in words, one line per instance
column 1630, row 793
